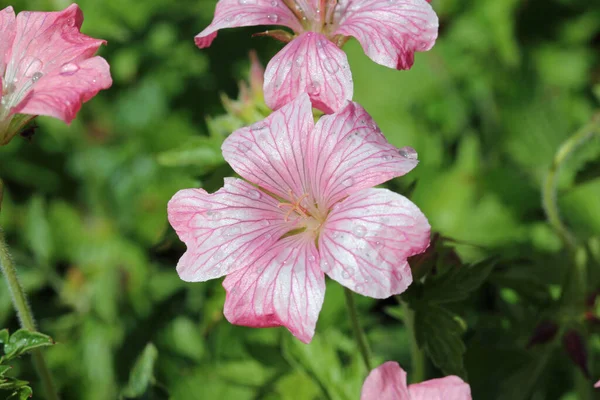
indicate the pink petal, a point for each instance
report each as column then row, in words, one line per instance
column 448, row 388
column 224, row 231
column 348, row 153
column 237, row 13
column 7, row 33
column 285, row 287
column 367, row 238
column 50, row 65
column 272, row 153
column 390, row 31
column 386, row 382
column 597, row 385
column 309, row 64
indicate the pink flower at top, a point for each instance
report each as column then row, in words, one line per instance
column 47, row 66
column 390, row 31
column 305, row 209
column 388, row 382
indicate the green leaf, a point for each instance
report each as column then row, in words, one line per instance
column 23, row 341
column 4, row 335
column 204, row 153
column 38, row 231
column 457, row 283
column 142, row 374
column 438, row 332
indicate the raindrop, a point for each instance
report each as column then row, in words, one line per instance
column 387, row 157
column 255, row 194
column 331, row 65
column 265, row 222
column 273, row 18
column 36, row 77
column 268, row 236
column 69, row 69
column 325, row 266
column 244, row 147
column 213, row 215
column 378, row 244
column 33, row 66
column 408, row 152
column 359, row 288
column 258, row 126
column 274, row 3
column 244, row 2
column 348, row 182
column 299, row 61
column 347, row 273
column 9, row 88
column 360, row 231
column 314, row 88
column 311, row 258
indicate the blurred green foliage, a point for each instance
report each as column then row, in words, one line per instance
column 487, row 109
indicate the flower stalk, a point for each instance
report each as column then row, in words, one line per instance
column 25, row 315
column 359, row 334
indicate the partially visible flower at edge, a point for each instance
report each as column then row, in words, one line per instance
column 47, row 67
column 305, row 209
column 388, row 382
column 390, row 32
column 597, row 385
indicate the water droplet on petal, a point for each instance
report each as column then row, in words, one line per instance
column 244, row 147
column 314, row 88
column 360, row 231
column 274, row 3
column 254, row 194
column 265, row 222
column 299, row 60
column 32, row 66
column 387, row 157
column 348, row 182
column 325, row 267
column 9, row 88
column 359, row 288
column 347, row 273
column 231, row 231
column 311, row 258
column 408, row 152
column 244, row 2
column 69, row 69
column 331, row 65
column 258, row 126
column 213, row 215
column 273, row 18
column 378, row 244
column 36, row 77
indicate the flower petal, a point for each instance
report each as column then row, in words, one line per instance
column 389, row 31
column 272, row 153
column 237, row 13
column 309, row 64
column 285, row 287
column 386, row 382
column 224, row 231
column 367, row 238
column 348, row 153
column 448, row 388
column 597, row 385
column 7, row 33
column 50, row 65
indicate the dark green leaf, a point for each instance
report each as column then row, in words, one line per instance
column 142, row 374
column 457, row 283
column 439, row 332
column 23, row 341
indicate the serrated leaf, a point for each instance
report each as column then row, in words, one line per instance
column 23, row 393
column 439, row 333
column 4, row 369
column 456, row 284
column 23, row 341
column 142, row 374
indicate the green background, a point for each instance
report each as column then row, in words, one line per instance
column 487, row 109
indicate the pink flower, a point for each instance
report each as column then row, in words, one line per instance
column 46, row 65
column 597, row 385
column 388, row 382
column 390, row 31
column 307, row 208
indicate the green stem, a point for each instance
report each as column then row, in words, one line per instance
column 549, row 192
column 416, row 354
column 361, row 340
column 25, row 316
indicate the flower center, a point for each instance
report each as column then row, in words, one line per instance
column 320, row 20
column 304, row 217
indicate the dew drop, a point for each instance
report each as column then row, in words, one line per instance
column 258, row 126
column 387, row 157
column 255, row 194
column 244, row 147
column 298, row 61
column 273, row 18
column 232, row 231
column 36, row 77
column 69, row 69
column 213, row 215
column 9, row 88
column 268, row 236
column 408, row 152
column 378, row 244
column 33, row 65
column 274, row 3
column 359, row 288
column 331, row 65
column 360, row 231
column 311, row 258
column 314, row 88
column 347, row 273
column 244, row 2
column 348, row 182
column 325, row 267
column 265, row 222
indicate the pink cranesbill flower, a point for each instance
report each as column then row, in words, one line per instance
column 597, row 385
column 388, row 382
column 305, row 208
column 390, row 31
column 47, row 66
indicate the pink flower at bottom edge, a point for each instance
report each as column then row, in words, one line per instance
column 390, row 32
column 388, row 382
column 305, row 209
column 47, row 66
column 597, row 385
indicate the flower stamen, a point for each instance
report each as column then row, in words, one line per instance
column 295, row 206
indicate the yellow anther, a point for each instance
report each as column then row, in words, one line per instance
column 294, row 206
